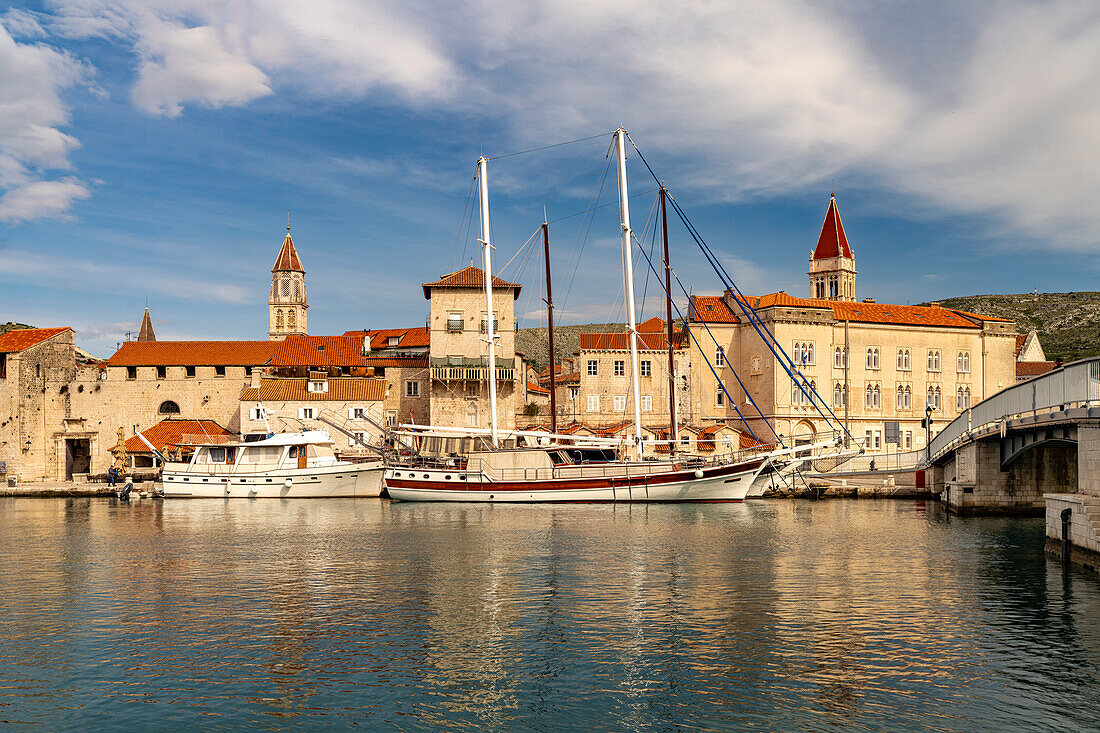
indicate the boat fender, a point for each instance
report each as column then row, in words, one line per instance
column 288, row 483
column 252, row 489
column 698, row 473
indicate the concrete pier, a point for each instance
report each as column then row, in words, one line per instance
column 1083, row 505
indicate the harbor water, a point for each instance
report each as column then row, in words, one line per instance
column 781, row 615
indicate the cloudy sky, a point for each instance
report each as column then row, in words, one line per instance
column 151, row 149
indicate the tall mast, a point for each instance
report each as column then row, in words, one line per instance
column 490, row 331
column 628, row 286
column 550, row 324
column 668, row 322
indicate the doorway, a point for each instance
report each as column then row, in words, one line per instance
column 78, row 456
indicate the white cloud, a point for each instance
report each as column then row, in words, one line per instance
column 32, row 77
column 229, row 54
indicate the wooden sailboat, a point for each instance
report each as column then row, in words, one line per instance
column 557, row 472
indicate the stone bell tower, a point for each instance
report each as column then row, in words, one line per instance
column 287, row 306
column 832, row 264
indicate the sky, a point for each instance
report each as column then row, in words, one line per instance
column 151, row 150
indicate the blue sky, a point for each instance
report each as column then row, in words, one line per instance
column 150, row 150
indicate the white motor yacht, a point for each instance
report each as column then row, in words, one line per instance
column 283, row 466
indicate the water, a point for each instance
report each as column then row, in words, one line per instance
column 328, row 613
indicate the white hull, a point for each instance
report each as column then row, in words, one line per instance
column 718, row 486
column 305, row 483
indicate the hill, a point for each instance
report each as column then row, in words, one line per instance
column 531, row 342
column 1068, row 323
column 12, row 326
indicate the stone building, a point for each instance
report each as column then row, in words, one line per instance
column 1031, row 361
column 873, row 364
column 281, row 404
column 287, row 305
column 37, row 368
column 458, row 353
column 605, row 380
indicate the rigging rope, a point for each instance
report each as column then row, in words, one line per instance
column 545, row 147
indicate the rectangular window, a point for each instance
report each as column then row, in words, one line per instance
column 867, row 438
column 573, row 393
column 620, row 403
column 646, row 368
column 219, row 371
column 3, row 366
column 454, row 321
column 306, row 413
column 720, row 397
column 592, row 367
column 647, row 403
column 908, row 439
column 485, row 323
column 620, row 368
column 878, row 439
column 391, row 418
column 719, row 357
column 593, row 403
column 357, row 413
column 256, row 413
column 412, row 389
column 162, row 372
column 352, row 442
column 189, row 371
column 317, row 386
column 131, row 372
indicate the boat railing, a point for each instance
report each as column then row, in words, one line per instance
column 479, row 468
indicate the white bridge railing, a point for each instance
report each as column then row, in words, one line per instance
column 1072, row 385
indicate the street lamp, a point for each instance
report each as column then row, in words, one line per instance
column 928, row 429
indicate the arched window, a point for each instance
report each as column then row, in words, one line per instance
column 876, row 359
column 869, row 397
column 901, row 398
column 168, row 407
column 877, row 396
column 907, row 359
column 931, row 401
column 908, row 398
column 284, row 286
column 274, row 288
column 937, row 402
column 279, row 317
column 290, row 317
column 966, row 398
column 809, row 353
column 837, row 359
column 959, row 395
column 837, row 396
column 870, row 359
column 297, row 290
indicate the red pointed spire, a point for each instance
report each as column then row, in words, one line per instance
column 832, row 242
column 288, row 257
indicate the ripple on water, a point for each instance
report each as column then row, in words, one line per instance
column 761, row 616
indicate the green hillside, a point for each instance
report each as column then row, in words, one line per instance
column 1068, row 323
column 11, row 326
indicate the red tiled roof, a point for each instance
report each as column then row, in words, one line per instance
column 288, row 257
column 832, row 242
column 1020, row 339
column 711, row 309
column 193, row 353
column 319, row 351
column 340, row 389
column 856, row 312
column 171, row 432
column 24, row 338
column 1034, row 368
column 468, row 277
column 532, row 387
column 651, row 337
column 408, row 338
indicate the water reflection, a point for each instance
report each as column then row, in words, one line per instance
column 777, row 615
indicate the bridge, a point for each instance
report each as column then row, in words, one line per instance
column 1030, row 448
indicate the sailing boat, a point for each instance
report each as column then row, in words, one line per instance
column 584, row 473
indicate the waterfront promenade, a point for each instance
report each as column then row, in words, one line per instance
column 784, row 615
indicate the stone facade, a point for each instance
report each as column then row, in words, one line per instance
column 287, row 305
column 459, row 387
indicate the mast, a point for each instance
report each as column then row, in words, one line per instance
column 550, row 324
column 668, row 323
column 628, row 286
column 487, row 247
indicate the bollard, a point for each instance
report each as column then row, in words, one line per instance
column 1065, row 533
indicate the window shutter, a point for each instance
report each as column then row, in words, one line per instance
column 351, row 413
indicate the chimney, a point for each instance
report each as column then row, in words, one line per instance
column 868, row 300
column 935, row 304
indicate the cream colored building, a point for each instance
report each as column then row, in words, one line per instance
column 459, row 389
column 355, row 404
column 900, row 358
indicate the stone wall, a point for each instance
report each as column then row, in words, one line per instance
column 975, row 482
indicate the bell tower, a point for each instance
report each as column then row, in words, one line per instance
column 287, row 306
column 832, row 264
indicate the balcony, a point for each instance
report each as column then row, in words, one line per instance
column 450, row 369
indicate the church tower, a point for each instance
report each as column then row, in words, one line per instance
column 832, row 264
column 287, row 306
column 146, row 332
